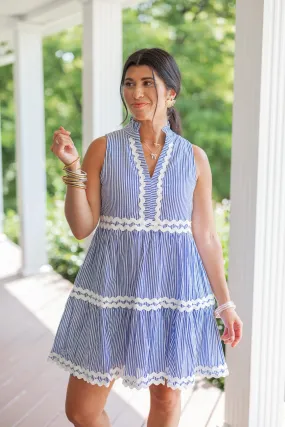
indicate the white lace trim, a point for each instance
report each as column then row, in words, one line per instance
column 101, row 379
column 156, row 223
column 115, row 219
column 143, row 227
column 141, row 178
column 160, row 180
column 131, row 224
column 141, row 303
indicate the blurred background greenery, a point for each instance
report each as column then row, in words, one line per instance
column 200, row 36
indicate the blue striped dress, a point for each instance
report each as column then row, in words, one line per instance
column 141, row 307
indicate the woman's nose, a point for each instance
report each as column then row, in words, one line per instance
column 138, row 93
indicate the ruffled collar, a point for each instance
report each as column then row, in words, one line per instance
column 134, row 125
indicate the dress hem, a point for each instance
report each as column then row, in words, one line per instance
column 104, row 379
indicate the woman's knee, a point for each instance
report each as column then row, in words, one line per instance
column 81, row 419
column 85, row 402
column 164, row 398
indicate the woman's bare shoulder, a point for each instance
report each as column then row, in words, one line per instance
column 201, row 159
column 95, row 154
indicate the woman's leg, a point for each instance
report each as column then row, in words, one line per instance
column 165, row 406
column 85, row 403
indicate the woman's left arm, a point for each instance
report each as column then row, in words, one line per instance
column 209, row 245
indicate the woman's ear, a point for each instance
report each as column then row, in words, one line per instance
column 172, row 93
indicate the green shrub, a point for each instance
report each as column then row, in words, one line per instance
column 12, row 225
column 65, row 252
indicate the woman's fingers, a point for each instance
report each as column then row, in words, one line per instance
column 238, row 333
column 60, row 132
column 232, row 333
column 60, row 142
column 64, row 130
column 66, row 138
column 226, row 337
column 59, row 138
column 63, row 147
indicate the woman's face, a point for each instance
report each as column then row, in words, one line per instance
column 140, row 93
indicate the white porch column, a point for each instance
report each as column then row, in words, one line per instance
column 30, row 145
column 1, row 179
column 255, row 386
column 102, row 68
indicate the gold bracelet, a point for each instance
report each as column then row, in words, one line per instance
column 76, row 174
column 68, row 180
column 78, row 186
column 67, row 166
column 76, row 178
column 73, row 178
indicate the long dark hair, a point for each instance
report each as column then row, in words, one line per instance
column 167, row 69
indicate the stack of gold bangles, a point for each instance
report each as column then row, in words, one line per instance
column 75, row 179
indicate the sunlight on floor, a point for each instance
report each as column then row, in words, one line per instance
column 44, row 295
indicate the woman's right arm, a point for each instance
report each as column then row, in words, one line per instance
column 82, row 207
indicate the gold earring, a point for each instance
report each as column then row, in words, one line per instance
column 170, row 102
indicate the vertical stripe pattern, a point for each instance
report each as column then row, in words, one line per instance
column 141, row 307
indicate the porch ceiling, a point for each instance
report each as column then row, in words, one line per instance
column 14, row 7
column 52, row 15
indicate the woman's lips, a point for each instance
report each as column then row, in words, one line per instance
column 139, row 105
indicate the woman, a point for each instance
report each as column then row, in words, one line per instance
column 142, row 305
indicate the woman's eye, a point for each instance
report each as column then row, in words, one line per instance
column 146, row 83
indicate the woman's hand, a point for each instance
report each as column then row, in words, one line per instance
column 233, row 327
column 63, row 146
